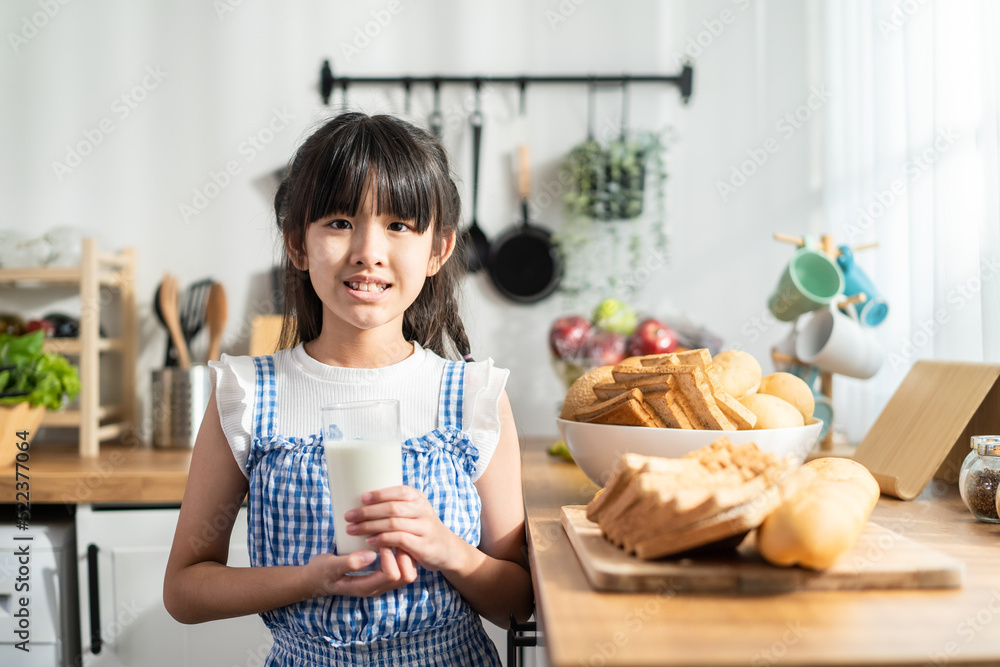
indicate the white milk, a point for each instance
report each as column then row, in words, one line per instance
column 356, row 467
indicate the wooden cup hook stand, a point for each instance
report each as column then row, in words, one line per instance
column 825, row 377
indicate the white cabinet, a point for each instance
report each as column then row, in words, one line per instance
column 122, row 617
column 33, row 564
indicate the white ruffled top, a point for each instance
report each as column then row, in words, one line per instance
column 304, row 385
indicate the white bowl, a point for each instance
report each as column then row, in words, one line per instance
column 596, row 447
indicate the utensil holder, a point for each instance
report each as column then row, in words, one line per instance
column 179, row 401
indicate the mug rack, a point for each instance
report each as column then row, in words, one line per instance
column 328, row 82
column 828, row 246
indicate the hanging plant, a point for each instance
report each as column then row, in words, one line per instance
column 607, row 182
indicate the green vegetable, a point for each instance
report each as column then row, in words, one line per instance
column 560, row 449
column 40, row 378
column 616, row 316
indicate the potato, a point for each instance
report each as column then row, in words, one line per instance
column 790, row 388
column 772, row 412
column 738, row 371
column 581, row 392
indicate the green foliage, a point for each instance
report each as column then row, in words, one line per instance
column 40, row 378
column 608, row 181
column 610, row 233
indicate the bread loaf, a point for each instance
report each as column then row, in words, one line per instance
column 772, row 412
column 790, row 388
column 581, row 393
column 824, row 507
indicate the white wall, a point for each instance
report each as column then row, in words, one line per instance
column 226, row 75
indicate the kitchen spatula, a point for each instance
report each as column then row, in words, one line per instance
column 216, row 312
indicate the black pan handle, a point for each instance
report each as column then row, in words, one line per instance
column 95, row 600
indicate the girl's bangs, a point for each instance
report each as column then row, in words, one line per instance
column 392, row 163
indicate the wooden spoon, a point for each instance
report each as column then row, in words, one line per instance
column 215, row 317
column 169, row 306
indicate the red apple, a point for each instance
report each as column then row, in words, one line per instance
column 45, row 325
column 651, row 337
column 567, row 336
column 604, row 348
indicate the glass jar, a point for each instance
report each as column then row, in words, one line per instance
column 979, row 478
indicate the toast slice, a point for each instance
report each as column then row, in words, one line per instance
column 735, row 411
column 657, row 359
column 722, row 498
column 626, row 409
column 692, row 382
column 685, row 405
column 603, row 406
column 649, row 493
column 665, row 405
column 733, row 521
column 628, row 467
column 607, row 390
column 740, row 417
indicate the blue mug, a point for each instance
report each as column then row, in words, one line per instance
column 875, row 308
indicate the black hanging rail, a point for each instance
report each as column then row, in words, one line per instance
column 328, row 82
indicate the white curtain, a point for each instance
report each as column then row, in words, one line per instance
column 911, row 158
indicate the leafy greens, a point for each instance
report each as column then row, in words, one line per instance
column 29, row 374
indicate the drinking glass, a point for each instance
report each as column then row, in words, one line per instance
column 363, row 448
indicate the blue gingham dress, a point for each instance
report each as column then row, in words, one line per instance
column 425, row 623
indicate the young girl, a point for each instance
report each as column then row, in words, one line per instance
column 369, row 214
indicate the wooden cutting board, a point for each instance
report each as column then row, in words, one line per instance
column 881, row 559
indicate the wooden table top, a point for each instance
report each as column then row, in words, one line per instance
column 120, row 474
column 581, row 626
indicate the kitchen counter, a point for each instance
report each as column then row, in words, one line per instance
column 910, row 627
column 583, row 627
column 120, row 474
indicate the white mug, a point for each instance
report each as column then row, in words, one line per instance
column 786, row 347
column 835, row 342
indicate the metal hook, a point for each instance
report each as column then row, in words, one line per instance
column 477, row 116
column 523, row 84
column 437, row 118
column 591, row 98
column 625, row 101
column 406, row 95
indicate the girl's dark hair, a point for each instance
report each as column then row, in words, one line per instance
column 330, row 174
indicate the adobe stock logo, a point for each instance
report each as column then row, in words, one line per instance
column 31, row 26
column 217, row 181
column 757, row 157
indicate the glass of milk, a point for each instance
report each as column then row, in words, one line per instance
column 363, row 445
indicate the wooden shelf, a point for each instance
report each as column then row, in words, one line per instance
column 98, row 270
column 73, row 346
column 75, row 417
column 47, row 275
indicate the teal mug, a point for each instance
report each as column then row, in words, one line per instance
column 810, row 281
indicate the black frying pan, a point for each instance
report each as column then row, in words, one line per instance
column 524, row 264
column 477, row 246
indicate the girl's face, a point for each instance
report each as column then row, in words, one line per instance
column 367, row 269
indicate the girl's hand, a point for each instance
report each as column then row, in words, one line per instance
column 401, row 517
column 326, row 574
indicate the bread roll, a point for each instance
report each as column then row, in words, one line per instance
column 581, row 392
column 790, row 388
column 738, row 371
column 772, row 412
column 823, row 510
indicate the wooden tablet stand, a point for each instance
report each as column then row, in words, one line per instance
column 924, row 430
